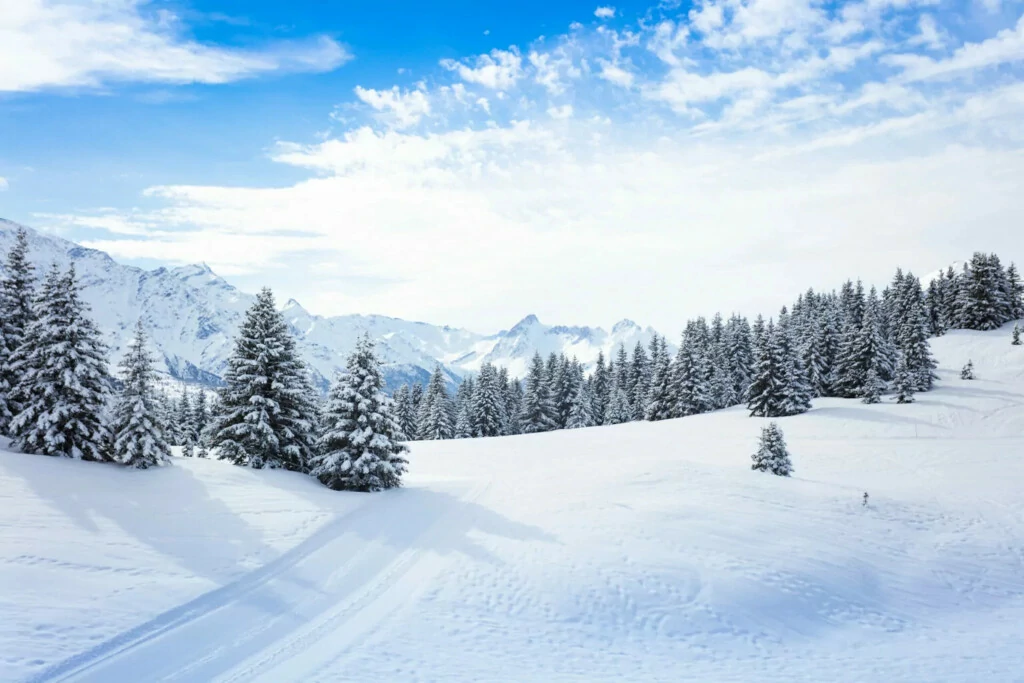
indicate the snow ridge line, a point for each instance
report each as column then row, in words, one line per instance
column 356, row 602
column 199, row 606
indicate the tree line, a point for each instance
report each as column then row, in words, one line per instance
column 850, row 343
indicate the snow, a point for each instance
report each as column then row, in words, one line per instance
column 191, row 315
column 645, row 551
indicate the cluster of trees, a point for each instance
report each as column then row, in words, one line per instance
column 57, row 396
column 851, row 344
column 983, row 296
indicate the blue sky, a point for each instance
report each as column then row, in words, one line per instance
column 467, row 162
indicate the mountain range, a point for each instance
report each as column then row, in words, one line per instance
column 192, row 314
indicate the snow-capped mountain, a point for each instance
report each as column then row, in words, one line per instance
column 192, row 314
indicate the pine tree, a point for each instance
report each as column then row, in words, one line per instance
column 873, row 387
column 767, row 394
column 1014, row 293
column 464, row 409
column 266, row 415
column 435, row 419
column 772, row 455
column 968, row 370
column 659, row 399
column 903, row 382
column 618, row 411
column 538, row 411
column 185, row 430
column 487, row 408
column 138, row 435
column 404, row 412
column 600, row 386
column 1015, row 340
column 582, row 413
column 360, row 449
column 16, row 314
column 63, row 378
column 200, row 419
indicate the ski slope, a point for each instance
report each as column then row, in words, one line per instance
column 641, row 552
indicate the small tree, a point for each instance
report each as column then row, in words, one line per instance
column 873, row 388
column 138, row 435
column 771, row 455
column 968, row 370
column 360, row 449
column 1016, row 335
column 903, row 382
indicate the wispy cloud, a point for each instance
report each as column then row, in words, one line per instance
column 604, row 12
column 61, row 44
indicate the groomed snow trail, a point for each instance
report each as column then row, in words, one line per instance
column 282, row 608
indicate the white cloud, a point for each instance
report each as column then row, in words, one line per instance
column 401, row 109
column 929, row 34
column 613, row 73
column 57, row 43
column 1006, row 47
column 562, row 112
column 604, row 12
column 499, row 70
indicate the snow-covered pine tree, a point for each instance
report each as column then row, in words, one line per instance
column 1015, row 338
column 873, row 387
column 63, row 377
column 582, row 413
column 184, row 429
column 266, row 414
column 513, row 405
column 1015, row 292
column 859, row 354
column 435, row 420
column 404, row 412
column 16, row 313
column 911, row 334
column 487, row 408
column 538, row 411
column 600, row 385
column 796, row 388
column 660, row 403
column 639, row 382
column 138, row 435
column 740, row 353
column 968, row 370
column 772, row 455
column 618, row 411
column 767, row 394
column 903, row 382
column 416, row 396
column 360, row 449
column 464, row 409
column 201, row 420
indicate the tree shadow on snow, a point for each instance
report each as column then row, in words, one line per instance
column 428, row 519
column 167, row 510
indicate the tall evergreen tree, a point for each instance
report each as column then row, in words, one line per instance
column 618, row 411
column 435, row 419
column 600, row 386
column 138, row 433
column 405, row 412
column 361, row 448
column 767, row 394
column 16, row 314
column 903, row 383
column 582, row 413
column 266, row 414
column 873, row 387
column 487, row 407
column 660, row 402
column 1014, row 293
column 538, row 411
column 63, row 377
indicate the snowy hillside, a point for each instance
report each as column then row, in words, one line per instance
column 191, row 315
column 641, row 552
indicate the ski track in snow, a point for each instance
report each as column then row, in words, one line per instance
column 638, row 552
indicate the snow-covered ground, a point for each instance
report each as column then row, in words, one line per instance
column 629, row 553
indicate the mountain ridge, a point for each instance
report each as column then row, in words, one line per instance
column 191, row 314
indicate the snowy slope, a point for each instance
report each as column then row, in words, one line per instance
column 642, row 552
column 192, row 315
